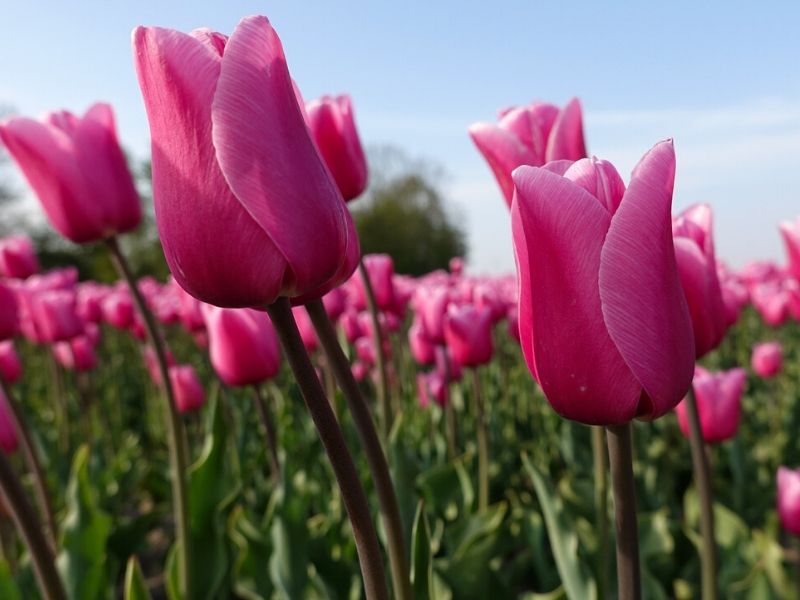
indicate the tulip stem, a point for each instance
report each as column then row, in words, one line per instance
column 31, row 457
column 599, row 453
column 380, row 355
column 176, row 435
column 355, row 500
column 629, row 586
column 450, row 424
column 702, row 478
column 24, row 516
column 483, row 444
column 376, row 459
column 269, row 432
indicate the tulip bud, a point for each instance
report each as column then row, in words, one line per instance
column 189, row 393
column 789, row 499
column 10, row 364
column 8, row 432
column 767, row 359
column 719, row 404
column 468, row 332
column 17, row 257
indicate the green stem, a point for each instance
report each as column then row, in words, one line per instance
column 269, row 432
column 175, row 431
column 483, row 444
column 629, row 583
column 702, row 478
column 380, row 355
column 376, row 459
column 24, row 517
column 600, row 455
column 355, row 500
column 31, row 457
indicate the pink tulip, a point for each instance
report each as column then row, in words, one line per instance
column 360, row 370
column 189, row 392
column 719, row 404
column 151, row 362
column 10, row 364
column 513, row 323
column 17, row 257
column 89, row 300
column 77, row 169
column 604, row 324
column 118, row 309
column 53, row 315
column 306, row 327
column 790, row 231
column 789, row 499
column 767, row 359
column 431, row 386
column 9, row 313
column 333, row 127
column 456, row 266
column 697, row 266
column 8, row 432
column 351, row 325
column 247, row 210
column 335, row 303
column 365, row 351
column 431, row 306
column 380, row 269
column 530, row 135
column 468, row 332
column 243, row 345
column 422, row 349
column 76, row 354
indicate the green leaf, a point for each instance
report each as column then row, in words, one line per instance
column 252, row 579
column 575, row 577
column 135, row 587
column 8, row 587
column 288, row 565
column 421, row 559
column 82, row 561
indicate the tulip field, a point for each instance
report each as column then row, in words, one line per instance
column 286, row 416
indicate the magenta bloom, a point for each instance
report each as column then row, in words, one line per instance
column 431, row 305
column 8, row 433
column 10, row 364
column 77, row 169
column 789, row 499
column 243, row 345
column 9, row 319
column 380, row 269
column 117, row 309
column 697, row 266
column 468, row 333
column 603, row 321
column 76, row 354
column 790, row 231
column 17, row 257
column 530, row 135
column 719, row 404
column 767, row 359
column 422, row 349
column 247, row 210
column 333, row 126
column 52, row 315
column 189, row 393
column 306, row 328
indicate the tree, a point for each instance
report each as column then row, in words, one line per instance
column 404, row 214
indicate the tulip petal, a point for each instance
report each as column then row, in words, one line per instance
column 178, row 74
column 576, row 362
column 643, row 305
column 504, row 153
column 566, row 137
column 270, row 161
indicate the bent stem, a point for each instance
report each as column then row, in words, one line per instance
column 31, row 457
column 380, row 355
column 355, row 500
column 176, row 436
column 269, row 432
column 24, row 517
column 629, row 585
column 702, row 478
column 599, row 454
column 378, row 466
column 483, row 445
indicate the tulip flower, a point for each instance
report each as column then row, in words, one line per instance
column 468, row 333
column 151, row 362
column 306, row 328
column 8, row 432
column 604, row 323
column 767, row 359
column 431, row 306
column 189, row 393
column 9, row 318
column 243, row 345
column 17, row 257
column 117, row 308
column 351, row 325
column 53, row 315
column 423, row 351
column 719, row 403
column 10, row 364
column 789, row 499
column 697, row 267
column 380, row 269
column 335, row 303
column 530, row 135
column 76, row 354
column 790, row 231
column 456, row 266
column 333, row 127
column 78, row 170
column 246, row 209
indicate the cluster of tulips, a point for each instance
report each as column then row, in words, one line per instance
column 613, row 303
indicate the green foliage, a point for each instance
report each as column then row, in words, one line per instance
column 135, row 586
column 404, row 215
column 421, row 559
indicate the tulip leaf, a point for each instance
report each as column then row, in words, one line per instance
column 86, row 528
column 135, row 586
column 8, row 588
column 288, row 565
column 575, row 577
column 421, row 558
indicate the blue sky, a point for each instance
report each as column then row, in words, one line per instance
column 721, row 78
